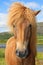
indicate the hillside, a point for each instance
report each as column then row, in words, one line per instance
column 5, row 35
column 40, row 28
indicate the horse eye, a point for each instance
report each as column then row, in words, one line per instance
column 30, row 25
column 14, row 26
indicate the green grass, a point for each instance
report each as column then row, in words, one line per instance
column 40, row 36
column 2, row 52
column 40, row 39
column 2, row 55
column 3, row 41
column 2, row 61
column 40, row 55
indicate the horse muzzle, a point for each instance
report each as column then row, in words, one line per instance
column 22, row 54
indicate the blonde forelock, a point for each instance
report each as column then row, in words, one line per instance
column 18, row 11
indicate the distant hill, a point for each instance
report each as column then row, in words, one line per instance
column 5, row 35
column 40, row 28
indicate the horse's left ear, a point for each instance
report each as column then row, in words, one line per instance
column 37, row 12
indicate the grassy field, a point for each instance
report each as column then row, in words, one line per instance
column 2, row 61
column 2, row 56
column 40, row 39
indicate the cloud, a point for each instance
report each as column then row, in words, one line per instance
column 3, row 19
column 39, row 19
column 42, row 7
column 3, row 23
column 32, row 5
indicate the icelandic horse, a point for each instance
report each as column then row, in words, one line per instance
column 21, row 48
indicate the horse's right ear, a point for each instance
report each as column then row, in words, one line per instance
column 37, row 12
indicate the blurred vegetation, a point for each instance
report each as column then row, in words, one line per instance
column 2, row 61
column 2, row 56
column 4, row 37
column 40, row 38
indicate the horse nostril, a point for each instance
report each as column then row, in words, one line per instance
column 21, row 54
column 17, row 52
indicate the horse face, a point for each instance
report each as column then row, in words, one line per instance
column 22, row 34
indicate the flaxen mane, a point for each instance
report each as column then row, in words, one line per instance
column 18, row 14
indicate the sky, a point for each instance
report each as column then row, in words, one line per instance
column 5, row 5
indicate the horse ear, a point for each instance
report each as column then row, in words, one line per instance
column 37, row 12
